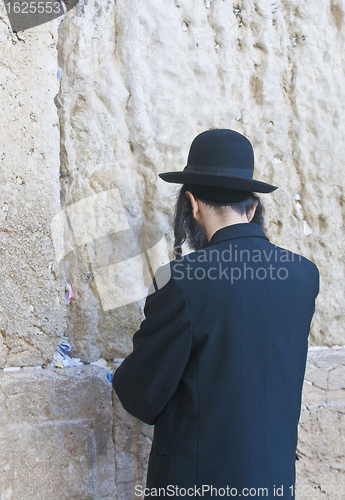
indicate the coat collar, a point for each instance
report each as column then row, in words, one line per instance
column 240, row 230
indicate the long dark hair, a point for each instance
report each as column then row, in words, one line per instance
column 187, row 230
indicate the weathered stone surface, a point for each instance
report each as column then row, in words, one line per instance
column 56, row 435
column 32, row 312
column 138, row 85
column 132, row 447
column 321, row 447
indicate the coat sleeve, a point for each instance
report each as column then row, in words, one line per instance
column 149, row 376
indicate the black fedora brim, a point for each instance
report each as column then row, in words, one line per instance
column 218, row 180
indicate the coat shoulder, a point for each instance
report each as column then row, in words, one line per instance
column 306, row 268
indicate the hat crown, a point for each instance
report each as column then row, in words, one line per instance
column 223, row 151
column 220, row 158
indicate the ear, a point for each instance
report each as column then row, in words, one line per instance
column 252, row 212
column 194, row 203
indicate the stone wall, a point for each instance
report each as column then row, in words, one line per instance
column 94, row 105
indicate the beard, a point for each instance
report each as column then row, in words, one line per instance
column 186, row 228
column 195, row 233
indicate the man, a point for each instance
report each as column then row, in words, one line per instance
column 218, row 362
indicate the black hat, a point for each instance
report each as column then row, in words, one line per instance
column 220, row 158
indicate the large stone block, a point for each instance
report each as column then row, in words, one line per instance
column 32, row 314
column 56, row 435
column 321, row 446
column 133, row 441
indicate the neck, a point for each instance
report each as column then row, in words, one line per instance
column 213, row 223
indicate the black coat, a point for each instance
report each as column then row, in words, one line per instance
column 218, row 366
